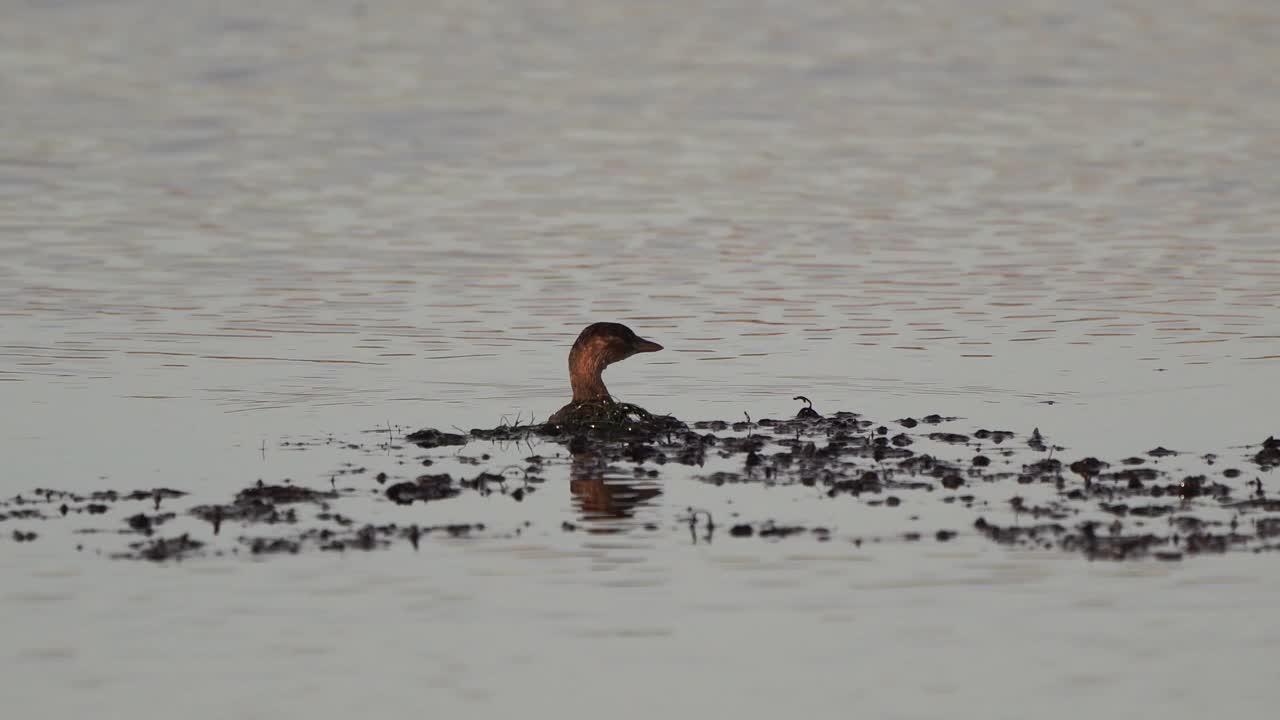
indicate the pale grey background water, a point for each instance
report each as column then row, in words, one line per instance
column 226, row 227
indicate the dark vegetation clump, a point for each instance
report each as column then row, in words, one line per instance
column 611, row 419
column 597, row 420
column 261, row 503
column 425, row 488
column 1269, row 456
column 430, row 438
column 161, row 549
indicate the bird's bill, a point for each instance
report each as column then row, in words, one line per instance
column 647, row 346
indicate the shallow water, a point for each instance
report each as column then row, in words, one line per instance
column 224, row 230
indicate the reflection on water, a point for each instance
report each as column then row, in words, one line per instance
column 609, row 497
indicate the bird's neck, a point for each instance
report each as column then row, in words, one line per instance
column 585, row 378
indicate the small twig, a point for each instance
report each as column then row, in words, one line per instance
column 693, row 524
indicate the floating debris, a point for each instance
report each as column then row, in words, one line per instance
column 609, row 419
column 430, row 438
column 1269, row 456
column 425, row 488
column 1162, row 504
column 174, row 548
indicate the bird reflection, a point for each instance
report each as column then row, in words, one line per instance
column 604, row 494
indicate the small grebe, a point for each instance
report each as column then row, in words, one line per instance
column 598, row 346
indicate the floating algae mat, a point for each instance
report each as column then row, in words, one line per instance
column 1020, row 490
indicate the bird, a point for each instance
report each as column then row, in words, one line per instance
column 598, row 346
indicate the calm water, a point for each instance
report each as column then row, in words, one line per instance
column 226, row 230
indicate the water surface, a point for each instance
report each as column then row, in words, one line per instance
column 226, row 229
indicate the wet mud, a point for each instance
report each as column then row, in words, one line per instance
column 1019, row 490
